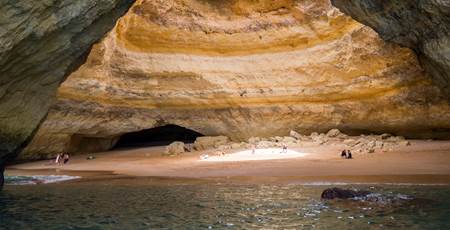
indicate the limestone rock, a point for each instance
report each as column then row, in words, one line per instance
column 405, row 143
column 209, row 142
column 351, row 142
column 295, row 135
column 238, row 145
column 175, row 148
column 41, row 42
column 224, row 147
column 420, row 25
column 289, row 140
column 335, row 133
column 265, row 144
column 220, row 68
column 254, row 140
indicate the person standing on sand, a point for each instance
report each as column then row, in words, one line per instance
column 349, row 154
column 58, row 158
column 344, row 154
column 253, row 149
column 66, row 158
column 284, row 150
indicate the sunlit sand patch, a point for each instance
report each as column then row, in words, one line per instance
column 259, row 154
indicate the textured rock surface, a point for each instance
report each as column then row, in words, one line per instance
column 203, row 143
column 175, row 148
column 423, row 25
column 241, row 69
column 40, row 43
column 338, row 193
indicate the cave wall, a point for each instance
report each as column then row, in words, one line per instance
column 243, row 68
column 41, row 42
column 422, row 25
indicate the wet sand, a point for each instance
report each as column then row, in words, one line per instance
column 424, row 162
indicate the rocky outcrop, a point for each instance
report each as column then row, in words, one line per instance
column 203, row 143
column 422, row 25
column 242, row 68
column 175, row 148
column 41, row 42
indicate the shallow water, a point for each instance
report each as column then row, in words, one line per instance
column 141, row 204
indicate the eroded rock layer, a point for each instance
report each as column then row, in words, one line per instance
column 422, row 25
column 241, row 68
column 41, row 42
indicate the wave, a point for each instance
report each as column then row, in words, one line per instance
column 37, row 179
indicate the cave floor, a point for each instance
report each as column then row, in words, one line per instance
column 424, row 162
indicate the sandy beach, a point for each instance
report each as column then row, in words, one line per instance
column 426, row 162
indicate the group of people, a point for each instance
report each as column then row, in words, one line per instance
column 347, row 154
column 62, row 158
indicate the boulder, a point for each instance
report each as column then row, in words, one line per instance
column 405, row 143
column 275, row 139
column 224, row 147
column 337, row 193
column 290, row 140
column 265, row 144
column 209, row 142
column 238, row 145
column 371, row 144
column 295, row 135
column 175, row 148
column 320, row 139
column 254, row 140
column 379, row 144
column 351, row 142
column 334, row 133
column 189, row 147
column 396, row 139
column 385, row 136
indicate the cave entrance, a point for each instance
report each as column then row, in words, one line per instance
column 159, row 136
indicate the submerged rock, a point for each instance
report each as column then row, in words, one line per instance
column 337, row 193
column 374, row 199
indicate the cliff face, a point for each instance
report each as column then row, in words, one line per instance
column 40, row 43
column 422, row 25
column 241, row 68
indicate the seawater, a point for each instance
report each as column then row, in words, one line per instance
column 138, row 203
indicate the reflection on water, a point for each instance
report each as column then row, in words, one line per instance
column 130, row 205
column 38, row 179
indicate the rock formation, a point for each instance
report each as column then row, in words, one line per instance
column 241, row 68
column 41, row 42
column 175, row 148
column 338, row 193
column 422, row 25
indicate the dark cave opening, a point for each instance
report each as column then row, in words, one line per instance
column 158, row 136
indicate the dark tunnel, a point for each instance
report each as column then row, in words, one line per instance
column 158, row 136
